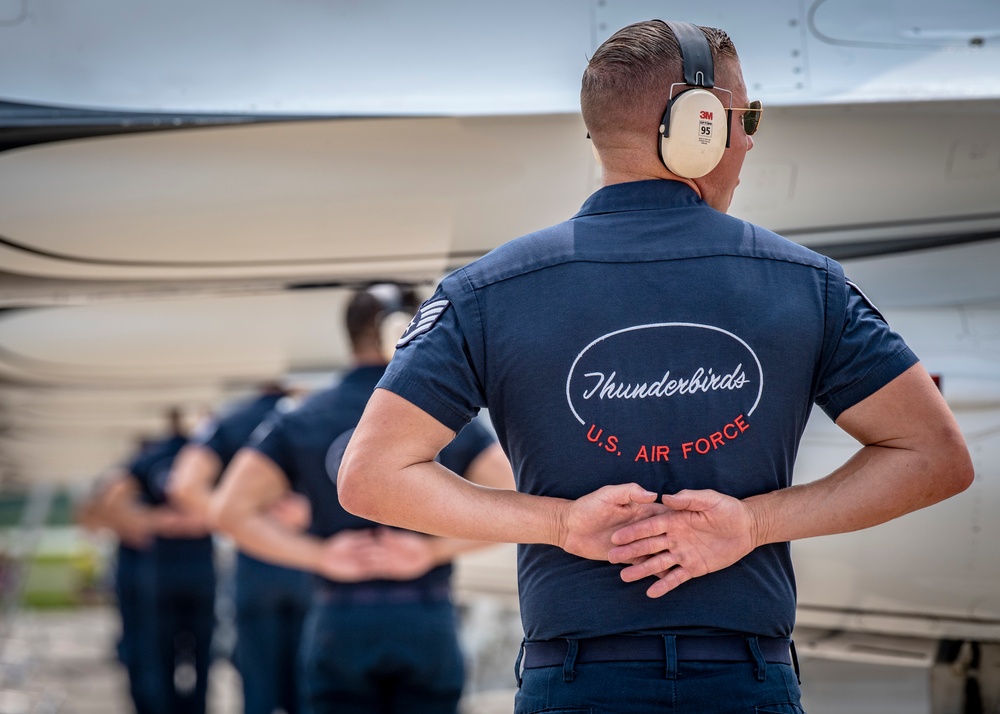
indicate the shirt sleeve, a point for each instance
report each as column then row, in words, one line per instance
column 867, row 356
column 432, row 367
column 470, row 442
column 140, row 466
column 271, row 438
column 216, row 437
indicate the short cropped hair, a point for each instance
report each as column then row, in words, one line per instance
column 626, row 85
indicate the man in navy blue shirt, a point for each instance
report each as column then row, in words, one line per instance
column 165, row 582
column 380, row 635
column 270, row 601
column 650, row 366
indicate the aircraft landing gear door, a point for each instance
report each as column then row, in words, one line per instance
column 966, row 678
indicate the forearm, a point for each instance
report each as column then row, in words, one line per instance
column 389, row 475
column 193, row 501
column 192, row 480
column 428, row 498
column 445, row 550
column 257, row 535
column 878, row 484
column 132, row 522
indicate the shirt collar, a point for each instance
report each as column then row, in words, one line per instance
column 655, row 194
column 365, row 374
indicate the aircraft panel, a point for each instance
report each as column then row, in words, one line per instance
column 346, row 58
column 199, row 340
column 821, row 52
column 413, row 197
column 348, row 198
column 384, row 58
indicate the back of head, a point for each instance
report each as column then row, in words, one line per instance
column 368, row 309
column 175, row 422
column 626, row 85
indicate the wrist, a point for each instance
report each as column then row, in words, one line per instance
column 440, row 552
column 312, row 550
column 759, row 521
column 559, row 523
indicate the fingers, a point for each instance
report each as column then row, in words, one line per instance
column 647, row 528
column 639, row 549
column 627, row 493
column 687, row 500
column 691, row 500
column 653, row 565
column 673, row 578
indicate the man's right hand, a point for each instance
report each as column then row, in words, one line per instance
column 349, row 555
column 586, row 525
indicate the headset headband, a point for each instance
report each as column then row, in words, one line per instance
column 393, row 297
column 696, row 54
column 694, row 130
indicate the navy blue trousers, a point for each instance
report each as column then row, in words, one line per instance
column 271, row 605
column 381, row 658
column 185, row 601
column 135, row 589
column 648, row 688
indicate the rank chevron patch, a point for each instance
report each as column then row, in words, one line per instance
column 426, row 316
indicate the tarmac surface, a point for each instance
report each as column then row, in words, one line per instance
column 63, row 662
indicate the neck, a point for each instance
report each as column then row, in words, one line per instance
column 609, row 178
column 369, row 357
column 625, row 165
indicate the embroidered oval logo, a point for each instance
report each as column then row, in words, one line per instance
column 676, row 380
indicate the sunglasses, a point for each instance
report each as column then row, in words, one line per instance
column 750, row 116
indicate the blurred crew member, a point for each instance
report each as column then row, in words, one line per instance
column 164, row 582
column 270, row 600
column 381, row 633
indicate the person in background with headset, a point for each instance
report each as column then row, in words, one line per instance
column 380, row 635
column 270, row 601
column 650, row 366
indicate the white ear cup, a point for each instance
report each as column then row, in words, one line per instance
column 695, row 141
column 392, row 328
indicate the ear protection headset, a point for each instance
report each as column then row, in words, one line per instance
column 694, row 132
column 398, row 306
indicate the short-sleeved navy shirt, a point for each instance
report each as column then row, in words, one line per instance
column 648, row 339
column 305, row 445
column 151, row 468
column 227, row 434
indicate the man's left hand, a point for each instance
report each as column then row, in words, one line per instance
column 703, row 531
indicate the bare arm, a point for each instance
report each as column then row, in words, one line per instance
column 389, row 475
column 137, row 523
column 490, row 469
column 116, row 506
column 242, row 508
column 250, row 487
column 913, row 455
column 192, row 479
column 408, row 555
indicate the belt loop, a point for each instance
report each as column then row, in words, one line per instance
column 795, row 660
column 569, row 665
column 670, row 656
column 517, row 665
column 759, row 657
